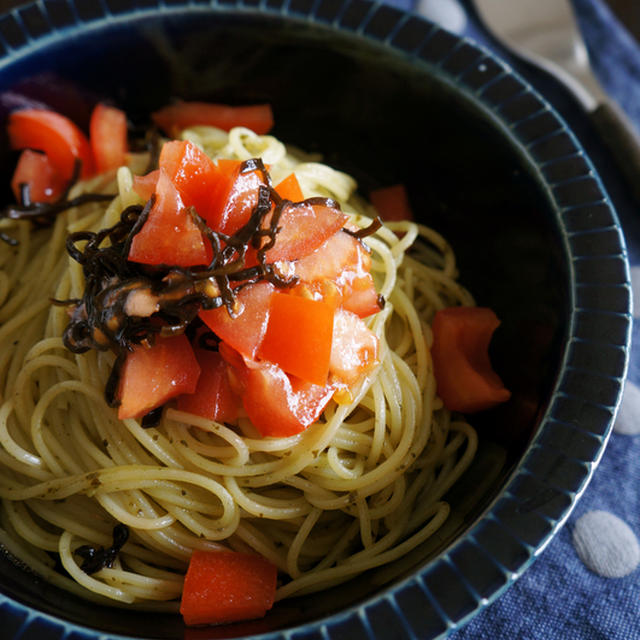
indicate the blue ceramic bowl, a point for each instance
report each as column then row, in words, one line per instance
column 389, row 98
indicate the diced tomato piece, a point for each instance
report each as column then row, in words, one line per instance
column 343, row 260
column 145, row 186
column 35, row 170
column 55, row 135
column 244, row 332
column 392, row 203
column 324, row 290
column 354, row 350
column 298, row 337
column 358, row 288
column 175, row 117
column 303, row 228
column 237, row 371
column 192, row 172
column 108, row 137
column 279, row 405
column 234, row 198
column 359, row 294
column 289, row 189
column 213, row 398
column 169, row 235
column 151, row 376
column 218, row 214
column 227, row 586
column 337, row 254
column 466, row 381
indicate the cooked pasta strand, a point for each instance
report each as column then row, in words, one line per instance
column 358, row 489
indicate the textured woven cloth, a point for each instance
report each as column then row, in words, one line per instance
column 586, row 584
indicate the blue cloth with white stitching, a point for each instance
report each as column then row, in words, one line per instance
column 564, row 594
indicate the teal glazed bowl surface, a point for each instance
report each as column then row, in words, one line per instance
column 387, row 97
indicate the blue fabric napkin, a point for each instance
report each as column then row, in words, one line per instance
column 586, row 584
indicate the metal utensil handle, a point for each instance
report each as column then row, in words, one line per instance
column 622, row 140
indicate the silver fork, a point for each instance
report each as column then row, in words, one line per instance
column 545, row 33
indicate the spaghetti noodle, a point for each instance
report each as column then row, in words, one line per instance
column 356, row 490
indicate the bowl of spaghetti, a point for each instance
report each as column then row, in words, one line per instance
column 313, row 321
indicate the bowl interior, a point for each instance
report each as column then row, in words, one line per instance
column 384, row 118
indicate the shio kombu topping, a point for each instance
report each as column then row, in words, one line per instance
column 96, row 558
column 367, row 231
column 127, row 304
column 43, row 214
column 152, row 419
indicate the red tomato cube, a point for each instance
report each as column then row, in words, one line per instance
column 152, row 376
column 298, row 337
column 213, row 398
column 227, row 586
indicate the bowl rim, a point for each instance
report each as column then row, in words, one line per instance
column 534, row 489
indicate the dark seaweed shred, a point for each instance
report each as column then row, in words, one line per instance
column 208, row 341
column 153, row 140
column 367, row 231
column 152, row 419
column 96, row 558
column 43, row 214
column 143, row 138
column 111, row 388
column 108, row 316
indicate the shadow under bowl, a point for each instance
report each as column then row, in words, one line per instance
column 388, row 98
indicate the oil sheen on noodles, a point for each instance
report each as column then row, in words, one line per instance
column 357, row 490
